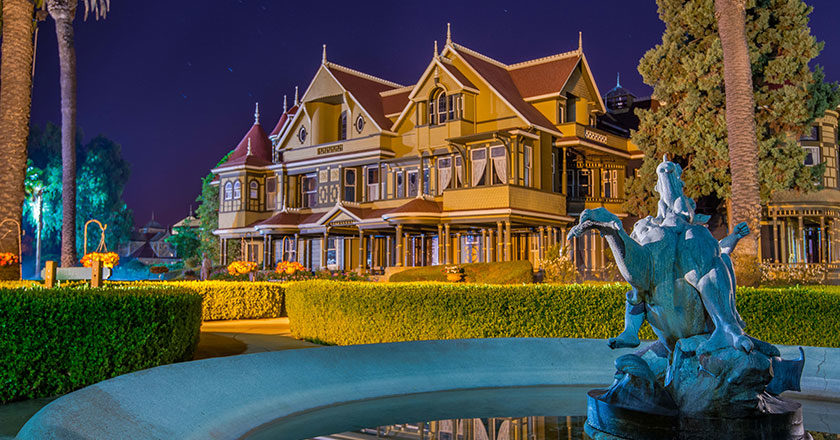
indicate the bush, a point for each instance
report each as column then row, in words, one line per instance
column 362, row 313
column 747, row 270
column 792, row 274
column 236, row 299
column 508, row 272
column 558, row 267
column 58, row 340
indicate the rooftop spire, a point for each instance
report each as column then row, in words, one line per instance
column 324, row 55
column 436, row 49
column 618, row 80
column 448, row 33
column 257, row 114
column 249, row 145
column 284, row 103
column 580, row 41
column 296, row 95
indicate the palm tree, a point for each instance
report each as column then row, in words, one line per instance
column 63, row 12
column 15, row 103
column 740, row 119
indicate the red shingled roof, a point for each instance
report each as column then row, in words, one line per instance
column 543, row 78
column 457, row 74
column 283, row 218
column 418, row 205
column 395, row 103
column 365, row 90
column 260, row 149
column 500, row 79
column 282, row 121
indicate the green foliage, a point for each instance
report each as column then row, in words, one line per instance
column 186, row 242
column 57, row 340
column 208, row 217
column 509, row 272
column 236, row 299
column 362, row 313
column 686, row 71
column 101, row 176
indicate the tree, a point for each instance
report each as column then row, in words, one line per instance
column 208, row 217
column 686, row 72
column 15, row 103
column 34, row 185
column 186, row 242
column 63, row 12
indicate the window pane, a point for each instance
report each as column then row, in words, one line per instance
column 412, row 184
column 271, row 184
column 400, row 185
column 442, row 107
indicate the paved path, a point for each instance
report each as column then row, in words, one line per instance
column 218, row 339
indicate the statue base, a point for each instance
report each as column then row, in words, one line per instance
column 608, row 421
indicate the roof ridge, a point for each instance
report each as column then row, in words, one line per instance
column 481, row 56
column 397, row 91
column 363, row 75
column 544, row 59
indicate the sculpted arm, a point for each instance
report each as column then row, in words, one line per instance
column 727, row 245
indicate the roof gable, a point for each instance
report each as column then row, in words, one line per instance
column 253, row 149
column 546, row 77
column 365, row 90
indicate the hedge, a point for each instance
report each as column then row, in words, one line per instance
column 508, row 272
column 58, row 340
column 363, row 313
column 236, row 299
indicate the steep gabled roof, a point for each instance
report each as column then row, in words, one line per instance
column 253, row 149
column 366, row 90
column 544, row 76
column 395, row 102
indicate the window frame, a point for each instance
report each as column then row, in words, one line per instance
column 408, row 174
column 237, row 190
column 309, row 198
column 527, row 165
column 342, row 125
column 346, row 187
column 228, row 191
column 473, row 161
column 373, row 185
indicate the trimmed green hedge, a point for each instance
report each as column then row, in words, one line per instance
column 57, row 340
column 362, row 313
column 237, row 299
column 508, row 272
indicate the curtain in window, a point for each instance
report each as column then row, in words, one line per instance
column 479, row 163
column 444, row 174
column 499, row 163
column 459, row 172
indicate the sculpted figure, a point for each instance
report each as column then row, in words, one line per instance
column 682, row 278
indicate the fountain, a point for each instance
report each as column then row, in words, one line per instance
column 704, row 377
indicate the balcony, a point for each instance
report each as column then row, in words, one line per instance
column 503, row 197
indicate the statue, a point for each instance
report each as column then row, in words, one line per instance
column 703, row 366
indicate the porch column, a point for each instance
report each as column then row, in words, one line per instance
column 223, row 251
column 400, row 261
column 801, row 239
column 441, row 244
column 423, row 249
column 482, row 256
column 507, row 241
column 823, row 241
column 297, row 247
column 491, row 245
column 542, row 244
column 388, row 251
column 783, row 253
column 447, row 250
column 324, row 240
column 266, row 251
column 457, row 250
column 500, row 246
column 776, row 256
column 362, row 253
column 563, row 176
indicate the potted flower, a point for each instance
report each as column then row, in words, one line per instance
column 454, row 273
column 9, row 266
column 242, row 268
column 108, row 259
column 159, row 270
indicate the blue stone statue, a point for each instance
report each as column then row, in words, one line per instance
column 683, row 284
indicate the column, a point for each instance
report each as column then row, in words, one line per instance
column 441, row 244
column 500, row 246
column 563, row 176
column 388, row 259
column 783, row 241
column 457, row 250
column 399, row 239
column 223, row 251
column 491, row 245
column 542, row 243
column 482, row 256
column 324, row 240
column 362, row 253
column 776, row 257
column 507, row 241
column 447, row 251
column 801, row 253
column 823, row 241
column 266, row 250
column 423, row 249
column 297, row 247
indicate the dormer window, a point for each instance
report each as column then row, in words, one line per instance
column 437, row 107
column 237, row 190
column 342, row 126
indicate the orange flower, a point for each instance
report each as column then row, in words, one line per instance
column 241, row 267
column 108, row 259
column 8, row 259
column 289, row 267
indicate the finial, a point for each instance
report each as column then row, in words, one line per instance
column 257, row 114
column 448, row 33
column 665, row 157
column 296, row 95
column 249, row 145
column 436, row 49
column 580, row 41
column 284, row 103
column 618, row 80
column 324, row 55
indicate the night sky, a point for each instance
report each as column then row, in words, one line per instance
column 176, row 86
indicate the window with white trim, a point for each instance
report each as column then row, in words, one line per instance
column 271, row 192
column 254, row 192
column 228, row 191
column 427, row 176
column 609, row 183
column 350, row 185
column 412, row 183
column 527, row 165
column 478, row 159
column 812, row 156
column 237, row 190
column 342, row 125
column 372, row 180
column 459, row 172
column 399, row 184
column 309, row 190
column 444, row 166
column 500, row 164
column 332, row 254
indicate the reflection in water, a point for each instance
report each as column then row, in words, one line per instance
column 495, row 428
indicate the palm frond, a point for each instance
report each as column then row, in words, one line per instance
column 99, row 8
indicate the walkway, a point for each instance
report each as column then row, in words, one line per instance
column 218, row 339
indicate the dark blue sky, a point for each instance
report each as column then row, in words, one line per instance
column 176, row 86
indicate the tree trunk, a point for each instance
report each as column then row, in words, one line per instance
column 15, row 104
column 740, row 120
column 63, row 12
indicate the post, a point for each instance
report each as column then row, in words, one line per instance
column 422, row 249
column 823, row 242
column 400, row 245
column 265, row 252
column 482, row 256
column 802, row 256
column 441, row 244
column 458, row 250
column 507, row 241
column 500, row 246
column 491, row 245
column 783, row 234
column 96, row 274
column 297, row 247
column 362, row 253
column 387, row 250
column 447, row 245
column 776, row 237
column 564, row 177
column 49, row 274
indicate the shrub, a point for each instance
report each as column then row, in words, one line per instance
column 558, row 267
column 361, row 313
column 747, row 270
column 792, row 274
column 58, row 340
column 236, row 299
column 508, row 272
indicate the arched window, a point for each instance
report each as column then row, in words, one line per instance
column 237, row 190
column 437, row 107
column 254, row 192
column 228, row 191
column 342, row 126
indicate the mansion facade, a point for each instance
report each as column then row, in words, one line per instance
column 476, row 161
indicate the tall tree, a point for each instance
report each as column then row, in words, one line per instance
column 208, row 217
column 740, row 119
column 15, row 103
column 687, row 74
column 63, row 12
